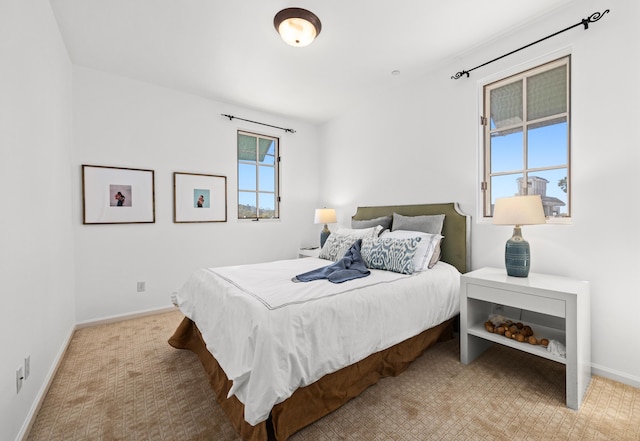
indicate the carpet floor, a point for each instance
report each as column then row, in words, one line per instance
column 122, row 381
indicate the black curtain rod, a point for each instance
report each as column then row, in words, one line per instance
column 231, row 117
column 585, row 22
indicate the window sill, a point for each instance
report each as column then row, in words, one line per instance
column 257, row 221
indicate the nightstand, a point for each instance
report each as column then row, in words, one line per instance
column 555, row 307
column 309, row 252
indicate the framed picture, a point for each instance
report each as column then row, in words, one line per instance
column 199, row 198
column 114, row 195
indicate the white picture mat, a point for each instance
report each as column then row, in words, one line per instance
column 185, row 209
column 97, row 181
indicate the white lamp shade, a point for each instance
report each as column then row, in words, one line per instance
column 325, row 216
column 519, row 210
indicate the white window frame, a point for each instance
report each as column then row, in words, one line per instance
column 481, row 157
column 276, row 166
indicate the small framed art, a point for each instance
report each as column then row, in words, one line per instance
column 115, row 195
column 199, row 198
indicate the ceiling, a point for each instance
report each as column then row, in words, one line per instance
column 229, row 50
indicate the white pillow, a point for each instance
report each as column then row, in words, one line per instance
column 426, row 247
column 360, row 233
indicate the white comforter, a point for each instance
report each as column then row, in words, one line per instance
column 272, row 336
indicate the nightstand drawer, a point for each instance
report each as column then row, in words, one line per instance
column 536, row 303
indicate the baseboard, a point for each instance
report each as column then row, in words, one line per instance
column 615, row 375
column 121, row 317
column 37, row 403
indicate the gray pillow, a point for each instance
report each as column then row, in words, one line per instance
column 383, row 221
column 427, row 223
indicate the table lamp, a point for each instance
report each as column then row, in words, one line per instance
column 325, row 216
column 518, row 211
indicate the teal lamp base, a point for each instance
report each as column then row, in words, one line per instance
column 324, row 234
column 517, row 257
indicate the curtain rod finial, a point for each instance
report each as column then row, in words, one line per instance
column 593, row 18
column 459, row 74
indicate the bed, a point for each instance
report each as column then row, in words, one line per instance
column 239, row 323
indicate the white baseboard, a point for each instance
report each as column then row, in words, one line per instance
column 615, row 375
column 37, row 403
column 121, row 317
column 42, row 393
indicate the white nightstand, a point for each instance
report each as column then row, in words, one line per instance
column 555, row 307
column 309, row 252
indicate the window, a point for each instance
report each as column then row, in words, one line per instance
column 258, row 189
column 526, row 138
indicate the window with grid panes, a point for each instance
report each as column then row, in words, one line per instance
column 258, row 189
column 527, row 138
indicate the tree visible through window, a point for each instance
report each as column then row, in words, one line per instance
column 258, row 192
column 526, row 138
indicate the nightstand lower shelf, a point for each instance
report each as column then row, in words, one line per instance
column 478, row 330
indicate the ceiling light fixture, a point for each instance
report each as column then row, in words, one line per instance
column 297, row 27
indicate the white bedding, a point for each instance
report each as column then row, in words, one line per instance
column 272, row 336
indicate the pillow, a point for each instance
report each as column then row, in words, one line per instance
column 436, row 254
column 360, row 233
column 426, row 255
column 336, row 246
column 383, row 221
column 427, row 224
column 389, row 254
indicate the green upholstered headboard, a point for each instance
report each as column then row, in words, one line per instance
column 456, row 245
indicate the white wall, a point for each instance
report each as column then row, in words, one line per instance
column 36, row 262
column 420, row 144
column 123, row 123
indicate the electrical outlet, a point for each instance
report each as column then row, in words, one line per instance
column 19, row 379
column 27, row 366
column 142, row 286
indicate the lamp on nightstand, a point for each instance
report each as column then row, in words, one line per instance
column 325, row 216
column 518, row 211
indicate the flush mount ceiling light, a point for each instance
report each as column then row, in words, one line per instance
column 297, row 26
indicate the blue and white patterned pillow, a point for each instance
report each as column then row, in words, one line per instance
column 336, row 246
column 390, row 254
column 428, row 251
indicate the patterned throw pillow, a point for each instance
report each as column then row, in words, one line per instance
column 428, row 251
column 336, row 246
column 390, row 254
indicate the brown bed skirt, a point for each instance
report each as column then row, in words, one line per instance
column 310, row 403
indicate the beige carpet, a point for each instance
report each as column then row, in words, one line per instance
column 123, row 381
